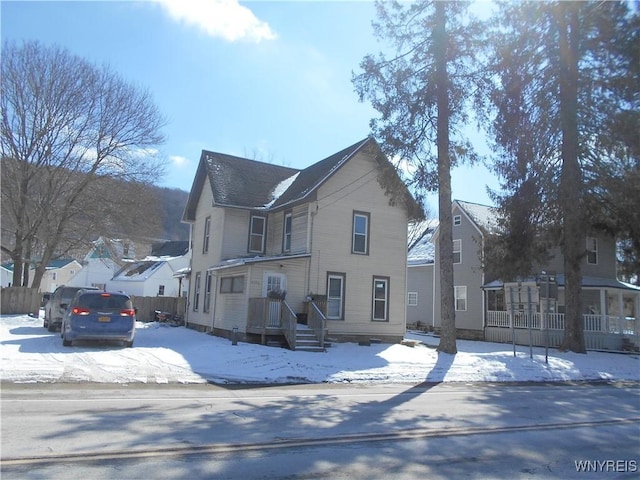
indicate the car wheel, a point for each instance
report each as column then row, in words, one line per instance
column 65, row 342
column 51, row 327
column 128, row 344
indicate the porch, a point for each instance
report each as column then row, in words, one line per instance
column 601, row 332
column 274, row 317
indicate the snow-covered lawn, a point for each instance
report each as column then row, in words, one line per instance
column 162, row 354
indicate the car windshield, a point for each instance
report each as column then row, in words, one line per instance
column 68, row 293
column 104, row 302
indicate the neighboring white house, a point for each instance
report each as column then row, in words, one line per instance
column 58, row 272
column 6, row 275
column 159, row 274
column 101, row 263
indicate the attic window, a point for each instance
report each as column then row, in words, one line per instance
column 457, row 220
column 257, row 233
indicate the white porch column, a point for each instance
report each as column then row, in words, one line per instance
column 603, row 311
column 620, row 312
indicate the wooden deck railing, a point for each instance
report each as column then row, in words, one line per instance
column 555, row 321
column 289, row 323
column 317, row 322
column 269, row 316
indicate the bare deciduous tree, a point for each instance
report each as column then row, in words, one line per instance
column 67, row 127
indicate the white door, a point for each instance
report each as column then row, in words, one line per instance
column 273, row 282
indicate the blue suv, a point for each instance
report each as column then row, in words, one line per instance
column 96, row 315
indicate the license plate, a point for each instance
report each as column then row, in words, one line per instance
column 104, row 319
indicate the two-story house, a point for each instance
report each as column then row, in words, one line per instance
column 482, row 304
column 274, row 246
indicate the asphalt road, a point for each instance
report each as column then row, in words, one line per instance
column 320, row 431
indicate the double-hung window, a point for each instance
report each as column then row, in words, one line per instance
column 457, row 251
column 286, row 233
column 207, row 292
column 460, row 293
column 380, row 299
column 207, row 230
column 360, row 237
column 257, row 233
column 196, row 292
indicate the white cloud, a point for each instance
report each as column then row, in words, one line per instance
column 179, row 161
column 226, row 19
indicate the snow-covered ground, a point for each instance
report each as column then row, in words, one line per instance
column 162, row 354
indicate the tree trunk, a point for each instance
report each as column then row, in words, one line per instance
column 571, row 178
column 445, row 240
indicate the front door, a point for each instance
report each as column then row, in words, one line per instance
column 274, row 282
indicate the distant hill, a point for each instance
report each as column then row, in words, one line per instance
column 171, row 205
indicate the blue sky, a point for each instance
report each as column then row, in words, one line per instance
column 264, row 80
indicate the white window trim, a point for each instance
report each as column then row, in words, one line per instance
column 412, row 299
column 342, row 279
column 457, row 220
column 385, row 300
column 457, row 241
column 462, row 289
column 366, row 216
column 287, row 236
column 262, row 235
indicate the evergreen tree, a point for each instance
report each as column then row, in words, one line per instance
column 559, row 78
column 421, row 92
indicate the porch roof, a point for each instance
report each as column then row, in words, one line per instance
column 238, row 262
column 587, row 282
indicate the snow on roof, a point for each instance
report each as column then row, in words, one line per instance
column 483, row 215
column 282, row 187
column 238, row 262
column 421, row 247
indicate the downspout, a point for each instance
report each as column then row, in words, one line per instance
column 186, row 313
column 433, row 296
column 310, row 247
column 214, row 278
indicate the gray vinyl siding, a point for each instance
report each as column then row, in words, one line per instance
column 420, row 281
column 467, row 273
column 605, row 266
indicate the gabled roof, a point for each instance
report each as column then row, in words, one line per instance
column 243, row 183
column 52, row 265
column 314, row 176
column 482, row 215
column 110, row 248
column 138, row 271
column 174, row 248
column 422, row 250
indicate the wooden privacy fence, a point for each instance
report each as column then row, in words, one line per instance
column 15, row 300
column 147, row 306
